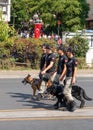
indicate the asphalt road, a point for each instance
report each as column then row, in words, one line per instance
column 15, row 100
column 48, row 125
column 15, row 95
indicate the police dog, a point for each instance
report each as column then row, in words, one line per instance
column 57, row 90
column 34, row 82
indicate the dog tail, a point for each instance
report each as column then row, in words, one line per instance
column 86, row 97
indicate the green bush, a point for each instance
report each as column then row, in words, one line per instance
column 81, row 63
column 5, row 30
column 29, row 50
column 79, row 44
column 5, row 47
column 7, row 63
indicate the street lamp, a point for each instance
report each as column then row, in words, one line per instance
column 57, row 16
column 14, row 16
column 59, row 23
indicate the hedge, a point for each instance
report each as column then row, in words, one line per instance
column 22, row 50
column 26, row 51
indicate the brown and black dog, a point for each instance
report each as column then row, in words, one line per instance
column 34, row 82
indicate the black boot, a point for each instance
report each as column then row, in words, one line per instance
column 60, row 104
column 63, row 104
column 56, row 105
column 71, row 106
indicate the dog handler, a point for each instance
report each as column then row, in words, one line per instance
column 43, row 59
column 50, row 63
column 42, row 66
column 50, row 67
column 70, row 78
column 61, row 67
column 61, row 70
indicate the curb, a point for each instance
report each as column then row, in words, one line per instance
column 21, row 74
column 35, row 114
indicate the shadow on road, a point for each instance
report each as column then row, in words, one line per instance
column 33, row 103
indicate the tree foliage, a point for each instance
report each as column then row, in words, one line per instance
column 5, row 30
column 72, row 14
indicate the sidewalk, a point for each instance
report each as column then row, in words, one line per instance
column 35, row 114
column 85, row 73
column 34, row 73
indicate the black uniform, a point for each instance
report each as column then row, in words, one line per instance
column 61, row 62
column 42, row 61
column 50, row 57
column 71, row 64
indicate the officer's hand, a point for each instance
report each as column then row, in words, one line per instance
column 73, row 80
column 60, row 78
column 43, row 72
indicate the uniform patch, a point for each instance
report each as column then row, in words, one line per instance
column 53, row 58
column 66, row 61
column 76, row 62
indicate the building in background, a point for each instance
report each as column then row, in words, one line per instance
column 89, row 20
column 5, row 8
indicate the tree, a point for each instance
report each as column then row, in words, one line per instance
column 5, row 30
column 84, row 12
column 72, row 14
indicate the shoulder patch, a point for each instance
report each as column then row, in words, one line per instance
column 76, row 62
column 66, row 60
column 53, row 58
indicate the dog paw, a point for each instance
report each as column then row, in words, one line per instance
column 82, row 104
column 28, row 100
column 56, row 107
column 39, row 97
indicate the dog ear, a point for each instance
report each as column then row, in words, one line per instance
column 29, row 75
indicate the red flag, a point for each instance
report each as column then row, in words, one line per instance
column 37, row 30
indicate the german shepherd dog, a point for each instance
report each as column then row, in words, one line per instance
column 57, row 90
column 34, row 82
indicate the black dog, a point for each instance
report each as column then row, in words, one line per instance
column 77, row 92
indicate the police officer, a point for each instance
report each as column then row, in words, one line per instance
column 70, row 78
column 42, row 66
column 50, row 62
column 61, row 67
column 61, row 70
column 43, row 59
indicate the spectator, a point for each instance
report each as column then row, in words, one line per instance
column 59, row 41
